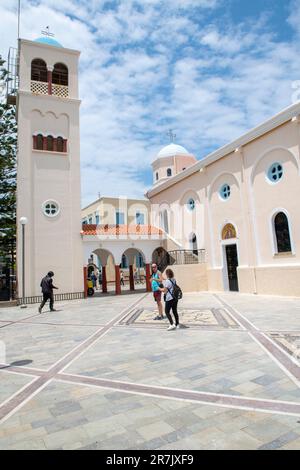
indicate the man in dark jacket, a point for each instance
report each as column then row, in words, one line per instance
column 47, row 290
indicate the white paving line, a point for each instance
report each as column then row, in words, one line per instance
column 35, row 372
column 23, row 403
column 274, row 359
column 188, row 400
column 17, row 392
column 279, row 364
column 93, row 343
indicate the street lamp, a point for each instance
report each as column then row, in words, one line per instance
column 23, row 222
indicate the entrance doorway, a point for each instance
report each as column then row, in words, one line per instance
column 232, row 264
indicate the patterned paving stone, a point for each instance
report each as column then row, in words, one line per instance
column 216, row 318
column 290, row 342
column 213, row 355
column 220, row 362
column 42, row 345
column 268, row 313
column 122, row 429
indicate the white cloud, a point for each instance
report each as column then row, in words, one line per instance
column 150, row 65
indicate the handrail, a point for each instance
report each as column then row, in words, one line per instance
column 180, row 257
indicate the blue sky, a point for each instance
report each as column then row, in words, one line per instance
column 208, row 69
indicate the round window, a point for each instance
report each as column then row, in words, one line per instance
column 50, row 208
column 191, row 204
column 275, row 172
column 225, row 191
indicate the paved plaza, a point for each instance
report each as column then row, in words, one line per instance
column 102, row 374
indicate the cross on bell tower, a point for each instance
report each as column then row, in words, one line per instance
column 47, row 32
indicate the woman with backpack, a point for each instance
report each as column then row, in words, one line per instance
column 172, row 294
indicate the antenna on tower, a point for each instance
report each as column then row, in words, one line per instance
column 19, row 15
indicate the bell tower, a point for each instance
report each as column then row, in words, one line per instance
column 48, row 166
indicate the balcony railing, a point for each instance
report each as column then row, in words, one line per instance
column 187, row 256
column 181, row 257
column 39, row 88
column 60, row 90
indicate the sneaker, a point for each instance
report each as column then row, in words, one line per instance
column 40, row 310
column 157, row 318
column 52, row 310
column 171, row 327
column 178, row 327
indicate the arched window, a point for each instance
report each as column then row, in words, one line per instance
column 60, row 74
column 60, row 144
column 50, row 143
column 169, row 172
column 193, row 243
column 39, row 142
column 166, row 221
column 282, row 233
column 228, row 232
column 39, row 70
column 124, row 263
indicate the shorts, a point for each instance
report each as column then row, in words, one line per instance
column 157, row 295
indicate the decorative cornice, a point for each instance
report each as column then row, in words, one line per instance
column 48, row 46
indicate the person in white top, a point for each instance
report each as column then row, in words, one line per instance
column 171, row 302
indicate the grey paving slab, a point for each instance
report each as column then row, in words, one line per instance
column 69, row 416
column 220, row 362
column 96, row 423
column 266, row 312
column 11, row 383
column 41, row 345
column 94, row 310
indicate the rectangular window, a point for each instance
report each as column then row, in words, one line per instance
column 140, row 218
column 97, row 219
column 90, row 219
column 120, row 219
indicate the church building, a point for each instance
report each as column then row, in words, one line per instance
column 227, row 221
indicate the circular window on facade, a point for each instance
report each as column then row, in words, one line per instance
column 275, row 172
column 50, row 208
column 225, row 191
column 191, row 204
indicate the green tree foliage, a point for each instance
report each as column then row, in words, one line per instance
column 8, row 151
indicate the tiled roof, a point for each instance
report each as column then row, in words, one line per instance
column 93, row 229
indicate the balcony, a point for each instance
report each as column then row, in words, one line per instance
column 61, row 91
column 41, row 88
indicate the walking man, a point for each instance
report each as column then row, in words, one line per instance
column 156, row 280
column 47, row 291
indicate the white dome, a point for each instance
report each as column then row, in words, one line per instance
column 171, row 150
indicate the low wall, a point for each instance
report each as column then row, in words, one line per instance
column 190, row 277
column 283, row 280
column 277, row 280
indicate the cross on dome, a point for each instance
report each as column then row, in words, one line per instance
column 172, row 136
